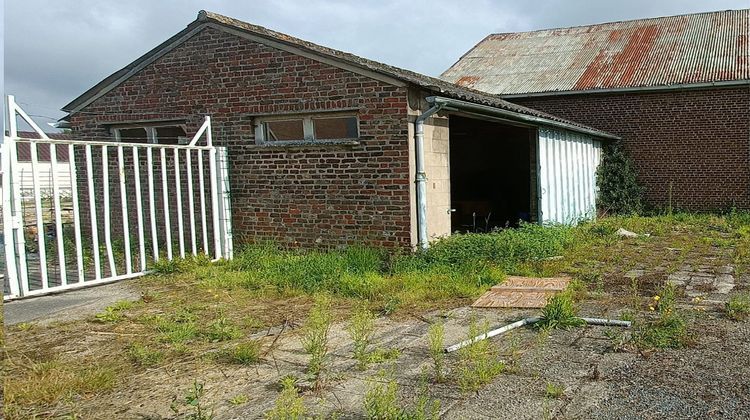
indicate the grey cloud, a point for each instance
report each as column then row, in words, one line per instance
column 55, row 50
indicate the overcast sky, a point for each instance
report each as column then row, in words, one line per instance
column 56, row 49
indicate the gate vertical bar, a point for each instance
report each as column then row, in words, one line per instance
column 139, row 209
column 151, row 204
column 178, row 199
column 40, row 233
column 8, row 222
column 16, row 219
column 191, row 200
column 165, row 196
column 225, row 211
column 202, row 191
column 125, row 215
column 215, row 201
column 76, row 209
column 92, row 212
column 107, row 227
column 58, row 216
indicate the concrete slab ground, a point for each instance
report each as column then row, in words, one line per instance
column 71, row 305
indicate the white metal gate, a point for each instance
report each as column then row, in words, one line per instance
column 120, row 214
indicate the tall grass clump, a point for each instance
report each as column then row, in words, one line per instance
column 315, row 335
column 560, row 312
column 289, row 405
column 361, row 327
column 436, row 338
column 478, row 363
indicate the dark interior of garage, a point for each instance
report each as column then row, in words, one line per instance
column 491, row 174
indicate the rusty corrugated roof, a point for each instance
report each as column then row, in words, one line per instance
column 675, row 50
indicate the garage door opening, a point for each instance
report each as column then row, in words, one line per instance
column 492, row 168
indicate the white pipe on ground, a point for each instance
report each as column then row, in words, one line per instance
column 530, row 321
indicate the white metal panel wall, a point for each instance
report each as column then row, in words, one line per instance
column 567, row 176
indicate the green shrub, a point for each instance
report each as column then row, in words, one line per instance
column 619, row 191
column 289, row 405
column 560, row 312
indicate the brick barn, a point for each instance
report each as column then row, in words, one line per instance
column 329, row 149
column 676, row 89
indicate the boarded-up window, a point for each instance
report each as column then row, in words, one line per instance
column 335, row 128
column 285, row 130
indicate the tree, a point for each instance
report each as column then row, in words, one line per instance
column 619, row 190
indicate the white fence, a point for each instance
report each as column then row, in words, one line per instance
column 128, row 206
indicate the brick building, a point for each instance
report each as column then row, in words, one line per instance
column 329, row 149
column 676, row 89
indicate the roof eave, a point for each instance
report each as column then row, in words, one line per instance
column 459, row 105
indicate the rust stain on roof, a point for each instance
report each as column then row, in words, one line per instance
column 696, row 48
column 467, row 81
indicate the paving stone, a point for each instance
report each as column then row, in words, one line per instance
column 726, row 269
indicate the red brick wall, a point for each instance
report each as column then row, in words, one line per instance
column 696, row 140
column 303, row 196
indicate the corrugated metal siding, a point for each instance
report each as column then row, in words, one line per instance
column 697, row 48
column 567, row 176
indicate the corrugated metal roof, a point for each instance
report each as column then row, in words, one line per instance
column 675, row 50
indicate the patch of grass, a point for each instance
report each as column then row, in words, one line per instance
column 381, row 398
column 222, row 329
column 738, row 307
column 668, row 329
column 143, row 355
column 315, row 335
column 478, row 363
column 381, row 355
column 180, row 328
column 242, row 354
column 382, row 401
column 39, row 383
column 553, row 390
column 239, row 399
column 25, row 326
column 289, row 405
column 436, row 339
column 361, row 328
column 507, row 247
column 560, row 312
column 114, row 313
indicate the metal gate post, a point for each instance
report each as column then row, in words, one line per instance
column 225, row 202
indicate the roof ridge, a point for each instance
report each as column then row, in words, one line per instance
column 616, row 22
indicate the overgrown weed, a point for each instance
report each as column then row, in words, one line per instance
column 478, row 362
